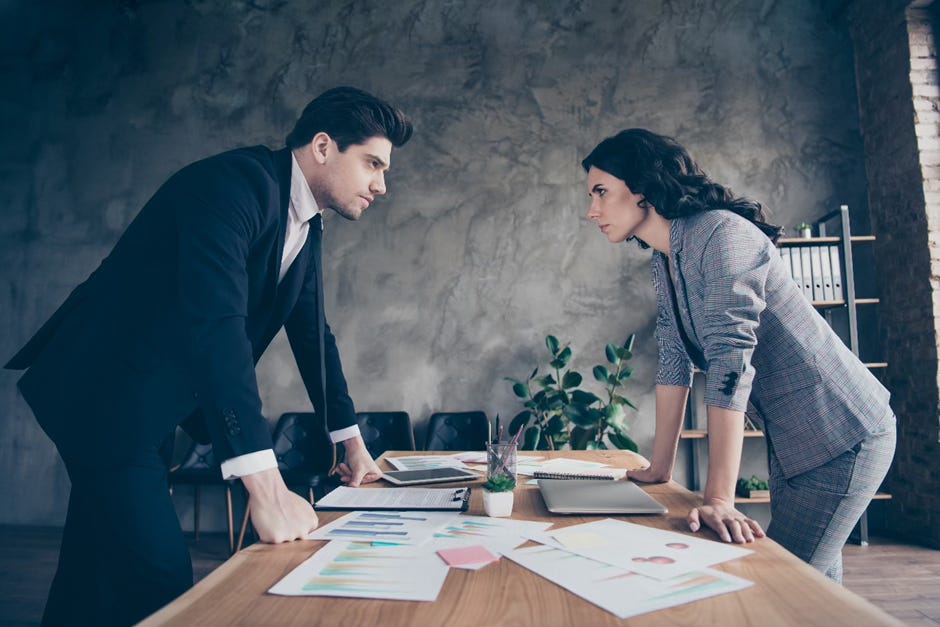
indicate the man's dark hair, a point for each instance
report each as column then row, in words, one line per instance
column 350, row 116
column 662, row 171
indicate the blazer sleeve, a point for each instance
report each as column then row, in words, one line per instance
column 220, row 212
column 734, row 265
column 301, row 327
column 675, row 366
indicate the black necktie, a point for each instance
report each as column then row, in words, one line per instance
column 316, row 226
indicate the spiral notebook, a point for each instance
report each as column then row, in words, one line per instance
column 608, row 475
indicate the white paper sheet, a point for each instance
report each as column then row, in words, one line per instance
column 652, row 552
column 424, row 462
column 496, row 534
column 384, row 526
column 344, row 497
column 619, row 591
column 355, row 569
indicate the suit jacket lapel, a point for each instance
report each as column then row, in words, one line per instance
column 684, row 317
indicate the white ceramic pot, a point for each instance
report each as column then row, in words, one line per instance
column 497, row 504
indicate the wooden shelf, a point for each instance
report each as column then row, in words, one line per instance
column 880, row 496
column 810, row 241
column 701, row 434
column 826, row 304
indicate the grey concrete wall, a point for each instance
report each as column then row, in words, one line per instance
column 482, row 246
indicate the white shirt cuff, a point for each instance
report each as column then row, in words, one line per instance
column 248, row 464
column 344, row 434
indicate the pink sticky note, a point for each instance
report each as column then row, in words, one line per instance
column 467, row 555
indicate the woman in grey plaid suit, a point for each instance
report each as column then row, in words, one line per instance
column 727, row 303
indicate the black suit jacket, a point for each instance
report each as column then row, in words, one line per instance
column 173, row 321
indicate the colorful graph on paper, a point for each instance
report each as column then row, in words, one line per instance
column 619, row 591
column 362, row 570
column 384, row 526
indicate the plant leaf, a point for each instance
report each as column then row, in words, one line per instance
column 534, row 372
column 572, row 379
column 580, row 436
column 552, row 343
column 623, row 401
column 626, row 372
column 629, row 343
column 555, row 426
column 521, row 390
column 564, row 356
column 519, row 421
column 601, row 373
column 622, row 441
column 579, row 415
column 531, row 438
column 583, row 397
column 546, row 381
column 612, row 354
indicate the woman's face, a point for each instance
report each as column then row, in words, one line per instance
column 614, row 208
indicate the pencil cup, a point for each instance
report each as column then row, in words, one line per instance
column 501, row 460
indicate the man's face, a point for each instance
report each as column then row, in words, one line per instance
column 353, row 178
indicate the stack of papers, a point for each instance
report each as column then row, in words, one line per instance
column 624, row 568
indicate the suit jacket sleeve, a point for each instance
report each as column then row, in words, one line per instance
column 675, row 367
column 734, row 265
column 221, row 212
column 302, row 333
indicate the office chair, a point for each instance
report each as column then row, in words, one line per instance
column 386, row 431
column 200, row 468
column 457, row 431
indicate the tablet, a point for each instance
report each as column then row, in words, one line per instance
column 429, row 475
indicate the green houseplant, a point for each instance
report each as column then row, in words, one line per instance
column 547, row 400
column 497, row 495
column 593, row 417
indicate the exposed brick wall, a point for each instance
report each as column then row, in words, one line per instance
column 896, row 69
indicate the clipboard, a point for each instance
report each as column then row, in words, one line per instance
column 397, row 499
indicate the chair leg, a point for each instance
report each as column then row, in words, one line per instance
column 196, row 511
column 231, row 530
column 241, row 534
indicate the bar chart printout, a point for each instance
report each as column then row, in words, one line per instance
column 361, row 570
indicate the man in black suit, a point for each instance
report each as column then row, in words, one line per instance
column 167, row 331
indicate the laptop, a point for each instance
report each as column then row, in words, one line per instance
column 597, row 496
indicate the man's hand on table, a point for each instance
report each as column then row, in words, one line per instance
column 359, row 466
column 277, row 514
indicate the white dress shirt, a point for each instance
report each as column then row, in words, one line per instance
column 303, row 208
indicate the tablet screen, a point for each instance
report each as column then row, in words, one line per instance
column 430, row 475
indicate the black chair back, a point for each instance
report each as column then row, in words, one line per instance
column 386, row 431
column 457, row 431
column 302, row 443
column 198, row 466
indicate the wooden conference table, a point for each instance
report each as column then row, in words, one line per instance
column 786, row 590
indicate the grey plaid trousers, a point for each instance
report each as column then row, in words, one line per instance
column 813, row 513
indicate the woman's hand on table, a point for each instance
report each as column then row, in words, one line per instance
column 730, row 524
column 650, row 474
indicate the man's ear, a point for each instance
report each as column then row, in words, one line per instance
column 320, row 147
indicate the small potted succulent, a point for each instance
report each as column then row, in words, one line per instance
column 804, row 229
column 753, row 488
column 497, row 495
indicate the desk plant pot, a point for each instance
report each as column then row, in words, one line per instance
column 498, row 496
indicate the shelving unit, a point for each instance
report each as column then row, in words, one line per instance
column 695, row 436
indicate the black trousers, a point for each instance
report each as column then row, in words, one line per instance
column 123, row 554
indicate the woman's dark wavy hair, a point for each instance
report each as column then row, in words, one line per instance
column 659, row 169
column 350, row 116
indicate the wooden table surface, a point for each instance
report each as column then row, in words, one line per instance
column 786, row 591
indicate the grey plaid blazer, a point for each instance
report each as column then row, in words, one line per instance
column 758, row 338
